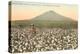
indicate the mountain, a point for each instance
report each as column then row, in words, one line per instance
column 51, row 15
column 48, row 19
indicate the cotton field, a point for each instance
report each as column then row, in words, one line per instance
column 45, row 39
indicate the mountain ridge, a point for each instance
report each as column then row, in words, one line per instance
column 52, row 15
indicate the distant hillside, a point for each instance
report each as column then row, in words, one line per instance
column 48, row 19
column 51, row 15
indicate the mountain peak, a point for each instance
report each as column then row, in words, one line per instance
column 51, row 15
column 50, row 12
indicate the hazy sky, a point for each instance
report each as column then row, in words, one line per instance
column 20, row 12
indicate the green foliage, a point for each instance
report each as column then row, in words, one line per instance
column 44, row 23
